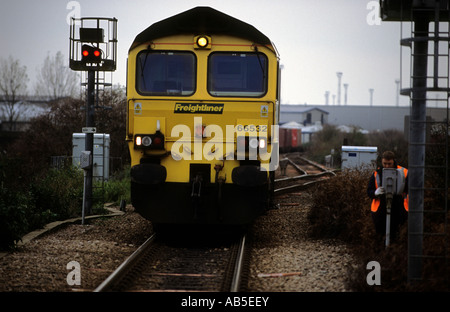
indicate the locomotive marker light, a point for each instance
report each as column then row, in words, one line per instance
column 262, row 143
column 138, row 141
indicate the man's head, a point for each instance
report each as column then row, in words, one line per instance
column 388, row 159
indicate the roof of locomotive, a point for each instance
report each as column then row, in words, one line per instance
column 201, row 20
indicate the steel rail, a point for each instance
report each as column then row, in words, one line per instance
column 306, row 176
column 117, row 275
column 312, row 163
column 238, row 267
column 291, row 188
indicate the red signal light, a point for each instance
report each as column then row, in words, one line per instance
column 91, row 54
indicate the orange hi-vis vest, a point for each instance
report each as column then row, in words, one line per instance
column 376, row 201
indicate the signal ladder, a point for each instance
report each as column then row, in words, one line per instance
column 429, row 43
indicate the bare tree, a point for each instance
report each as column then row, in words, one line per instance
column 13, row 83
column 55, row 79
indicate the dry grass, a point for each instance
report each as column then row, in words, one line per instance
column 340, row 207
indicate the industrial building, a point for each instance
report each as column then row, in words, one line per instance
column 370, row 118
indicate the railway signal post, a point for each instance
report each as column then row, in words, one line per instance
column 428, row 21
column 92, row 49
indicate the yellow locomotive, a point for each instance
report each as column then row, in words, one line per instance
column 202, row 116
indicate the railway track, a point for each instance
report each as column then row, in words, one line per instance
column 158, row 266
column 297, row 172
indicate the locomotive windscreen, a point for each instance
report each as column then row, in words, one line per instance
column 166, row 73
column 237, row 74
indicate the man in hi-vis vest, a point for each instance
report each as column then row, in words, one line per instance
column 376, row 191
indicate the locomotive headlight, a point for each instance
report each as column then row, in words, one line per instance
column 253, row 143
column 202, row 42
column 146, row 141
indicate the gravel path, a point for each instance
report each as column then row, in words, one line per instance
column 280, row 242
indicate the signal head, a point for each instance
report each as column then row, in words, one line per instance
column 90, row 54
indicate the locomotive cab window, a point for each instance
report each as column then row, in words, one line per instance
column 237, row 74
column 165, row 73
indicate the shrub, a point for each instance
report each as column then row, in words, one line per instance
column 118, row 187
column 341, row 209
column 31, row 194
column 60, row 191
column 331, row 138
column 340, row 206
column 14, row 208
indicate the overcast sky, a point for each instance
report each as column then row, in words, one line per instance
column 315, row 40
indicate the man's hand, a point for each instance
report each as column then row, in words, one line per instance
column 379, row 191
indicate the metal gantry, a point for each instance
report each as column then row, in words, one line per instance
column 425, row 23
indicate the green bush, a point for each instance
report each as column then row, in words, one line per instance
column 118, row 187
column 57, row 195
column 60, row 191
column 14, row 208
column 33, row 195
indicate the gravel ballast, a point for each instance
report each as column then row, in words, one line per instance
column 99, row 247
column 284, row 258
